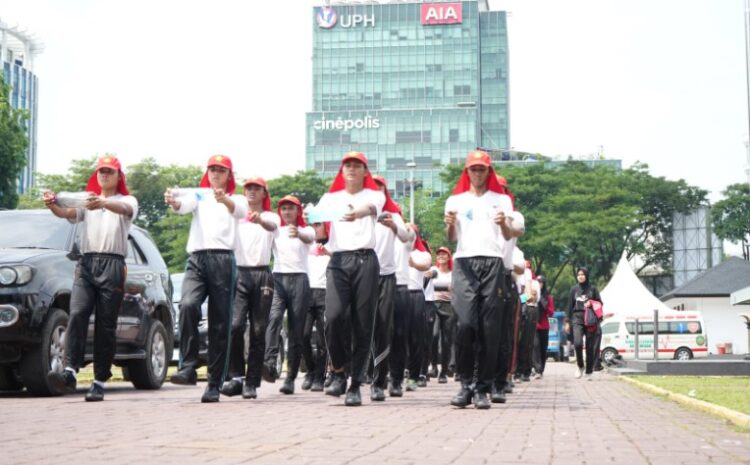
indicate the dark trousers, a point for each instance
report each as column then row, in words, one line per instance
column 291, row 294
column 529, row 319
column 383, row 332
column 400, row 342
column 540, row 350
column 579, row 332
column 351, row 300
column 98, row 286
column 429, row 320
column 252, row 304
column 444, row 328
column 507, row 336
column 209, row 274
column 478, row 292
column 315, row 360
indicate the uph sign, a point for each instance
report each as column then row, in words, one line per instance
column 441, row 13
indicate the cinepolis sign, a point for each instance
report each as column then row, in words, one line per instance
column 441, row 13
column 340, row 124
column 327, row 18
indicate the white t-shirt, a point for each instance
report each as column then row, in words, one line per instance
column 509, row 252
column 213, row 226
column 254, row 243
column 290, row 253
column 478, row 235
column 317, row 263
column 401, row 254
column 386, row 242
column 443, row 281
column 429, row 290
column 416, row 277
column 105, row 231
column 357, row 234
column 519, row 261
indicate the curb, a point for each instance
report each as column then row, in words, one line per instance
column 733, row 416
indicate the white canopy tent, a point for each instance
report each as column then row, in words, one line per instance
column 625, row 295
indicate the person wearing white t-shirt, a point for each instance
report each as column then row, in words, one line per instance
column 475, row 216
column 527, row 325
column 210, row 272
column 401, row 316
column 255, row 290
column 291, row 287
column 100, row 275
column 351, row 296
column 420, row 260
column 390, row 232
column 445, row 320
column 317, row 263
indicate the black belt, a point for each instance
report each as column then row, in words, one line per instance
column 355, row 252
column 107, row 255
column 254, row 268
column 213, row 251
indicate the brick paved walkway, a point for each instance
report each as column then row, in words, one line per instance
column 558, row 420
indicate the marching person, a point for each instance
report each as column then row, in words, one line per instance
column 255, row 290
column 351, row 296
column 390, row 232
column 475, row 216
column 445, row 321
column 429, row 316
column 100, row 275
column 420, row 260
column 401, row 316
column 291, row 287
column 546, row 311
column 529, row 320
column 578, row 300
column 210, row 272
column 317, row 263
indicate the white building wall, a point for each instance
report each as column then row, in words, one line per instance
column 722, row 320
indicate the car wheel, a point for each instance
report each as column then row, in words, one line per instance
column 48, row 356
column 150, row 372
column 8, row 379
column 683, row 353
column 609, row 355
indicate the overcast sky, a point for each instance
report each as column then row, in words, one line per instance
column 662, row 82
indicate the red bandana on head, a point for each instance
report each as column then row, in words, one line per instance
column 294, row 201
column 390, row 205
column 111, row 162
column 339, row 184
column 478, row 157
column 504, row 184
column 220, row 160
column 419, row 244
column 450, row 256
column 258, row 181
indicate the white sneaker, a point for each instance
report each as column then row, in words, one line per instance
column 538, row 376
column 588, row 377
column 578, row 373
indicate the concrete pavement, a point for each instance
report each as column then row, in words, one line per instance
column 558, row 420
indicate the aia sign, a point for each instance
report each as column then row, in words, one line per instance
column 441, row 13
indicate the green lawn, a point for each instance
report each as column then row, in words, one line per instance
column 728, row 391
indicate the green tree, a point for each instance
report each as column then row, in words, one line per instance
column 307, row 186
column 13, row 145
column 731, row 216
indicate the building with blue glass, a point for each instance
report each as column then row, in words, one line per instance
column 17, row 52
column 413, row 85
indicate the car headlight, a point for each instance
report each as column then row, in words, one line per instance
column 19, row 275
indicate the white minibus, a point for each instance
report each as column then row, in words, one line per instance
column 681, row 337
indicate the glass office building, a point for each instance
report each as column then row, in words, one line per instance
column 17, row 51
column 410, row 84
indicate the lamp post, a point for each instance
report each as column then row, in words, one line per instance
column 411, row 165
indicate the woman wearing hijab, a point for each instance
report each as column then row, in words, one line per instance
column 546, row 308
column 445, row 322
column 580, row 296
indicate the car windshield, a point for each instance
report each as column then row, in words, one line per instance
column 24, row 229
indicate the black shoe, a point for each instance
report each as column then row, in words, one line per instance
column 508, row 388
column 287, row 387
column 233, row 387
column 525, row 378
column 211, row 394
column 317, row 385
column 395, row 390
column 353, row 397
column 338, row 385
column 422, row 381
column 64, row 383
column 377, row 394
column 269, row 373
column 481, row 401
column 185, row 377
column 307, row 382
column 463, row 398
column 95, row 393
column 249, row 392
column 433, row 373
column 498, row 396
column 442, row 379
column 328, row 380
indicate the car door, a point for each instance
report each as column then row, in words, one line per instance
column 135, row 304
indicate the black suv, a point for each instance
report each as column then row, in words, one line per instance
column 38, row 254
